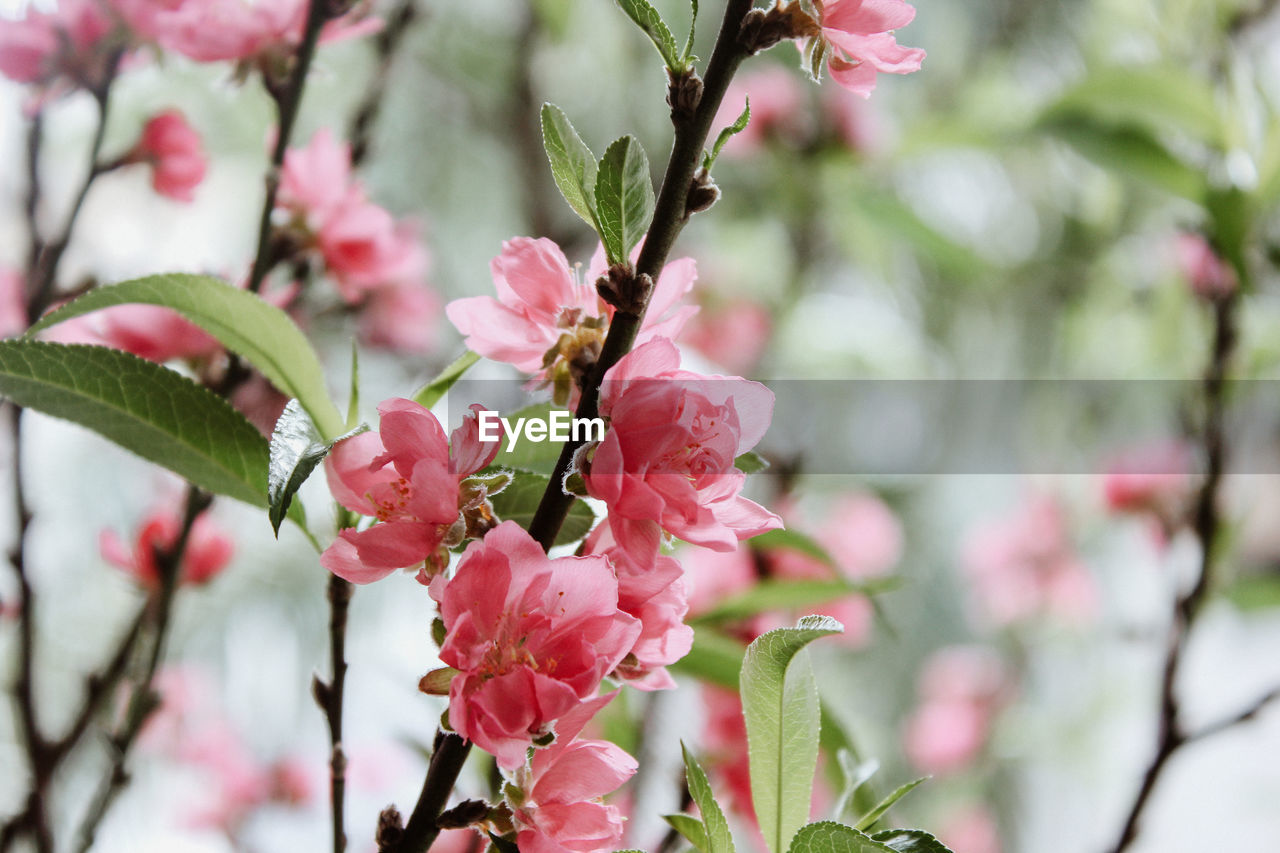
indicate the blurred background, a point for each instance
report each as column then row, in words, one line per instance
column 1033, row 204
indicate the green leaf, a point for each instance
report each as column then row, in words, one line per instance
column 534, row 457
column 687, row 57
column 869, row 819
column 1158, row 98
column 690, row 828
column 830, row 837
column 910, row 841
column 243, row 322
column 1128, row 150
column 780, row 703
column 719, row 839
column 714, row 657
column 648, row 19
column 431, row 393
column 143, row 407
column 518, row 502
column 296, row 449
column 353, row 400
column 796, row 541
column 856, row 774
column 624, row 197
column 751, row 463
column 793, row 595
column 739, row 125
column 572, row 164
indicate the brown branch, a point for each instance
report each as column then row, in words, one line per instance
column 1206, row 524
column 288, row 98
column 447, row 758
column 386, row 46
column 329, row 696
column 143, row 700
column 669, row 218
column 1242, row 716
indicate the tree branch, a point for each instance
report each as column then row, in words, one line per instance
column 669, row 218
column 329, row 696
column 1206, row 523
column 447, row 758
column 386, row 44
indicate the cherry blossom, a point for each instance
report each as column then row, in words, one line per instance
column 173, row 149
column 531, row 636
column 406, row 476
column 550, row 322
column 667, row 460
column 561, row 809
column 207, row 552
column 858, row 34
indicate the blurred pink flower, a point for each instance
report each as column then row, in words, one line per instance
column 175, row 153
column 13, row 303
column 531, row 636
column 1023, row 566
column 1155, row 480
column 973, row 830
column 401, row 316
column 207, row 553
column 407, row 477
column 550, row 322
column 666, row 462
column 653, row 593
column 855, row 120
column 1210, row 277
column 373, row 258
column 961, row 689
column 259, row 401
column 218, row 30
column 778, row 109
column 859, row 35
column 733, row 335
column 564, row 786
column 715, row 576
column 57, row 46
column 724, row 738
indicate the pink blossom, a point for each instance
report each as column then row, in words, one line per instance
column 531, row 636
column 733, row 335
column 961, row 688
column 260, row 402
column 858, row 33
column 653, row 593
column 1210, row 277
column 548, row 321
column 1153, row 480
column 61, row 45
column 1023, row 566
column 666, row 462
column 406, row 476
column 364, row 248
column 715, row 576
column 777, row 109
column 148, row 331
column 208, row 549
column 562, row 809
column 855, row 121
column 401, row 317
column 13, row 303
column 175, row 153
column 219, row 30
column 973, row 830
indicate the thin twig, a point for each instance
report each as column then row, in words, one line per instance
column 447, row 758
column 1170, row 735
column 1240, row 717
column 288, row 98
column 143, row 700
column 329, row 696
column 386, row 46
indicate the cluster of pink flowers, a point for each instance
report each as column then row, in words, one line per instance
column 65, row 48
column 376, row 262
column 961, row 689
column 207, row 553
column 1023, row 566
